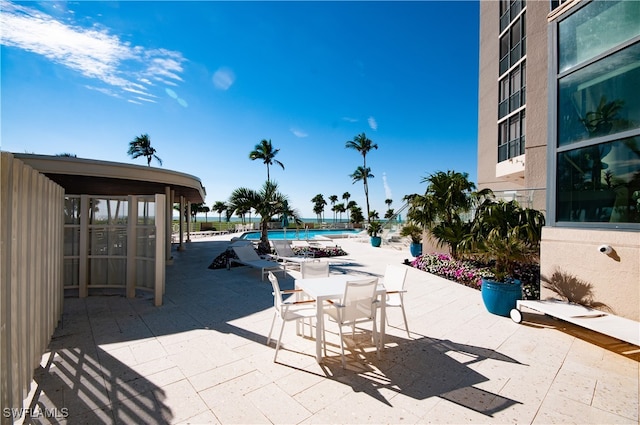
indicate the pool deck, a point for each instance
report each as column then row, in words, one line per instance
column 202, row 358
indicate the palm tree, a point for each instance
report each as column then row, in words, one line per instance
column 340, row 208
column 267, row 202
column 264, row 151
column 355, row 214
column 318, row 206
column 362, row 174
column 219, row 207
column 363, row 145
column 350, row 205
column 205, row 209
column 345, row 197
column 141, row 146
column 448, row 197
column 333, row 199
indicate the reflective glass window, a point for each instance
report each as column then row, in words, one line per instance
column 600, row 99
column 600, row 183
column 596, row 28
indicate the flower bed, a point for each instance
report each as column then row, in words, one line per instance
column 317, row 252
column 470, row 273
column 220, row 262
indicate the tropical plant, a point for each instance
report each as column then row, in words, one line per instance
column 268, row 202
column 349, row 208
column 141, row 146
column 374, row 228
column 198, row 208
column 362, row 174
column 363, row 145
column 345, row 197
column 355, row 214
column 441, row 210
column 413, row 231
column 265, row 151
column 219, row 207
column 318, row 206
column 333, row 199
column 504, row 235
column 340, row 208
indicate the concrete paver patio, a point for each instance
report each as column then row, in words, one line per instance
column 202, row 358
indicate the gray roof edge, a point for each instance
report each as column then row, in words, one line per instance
column 109, row 169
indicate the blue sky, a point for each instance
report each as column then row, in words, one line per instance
column 208, row 80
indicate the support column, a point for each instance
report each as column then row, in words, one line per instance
column 83, row 275
column 132, row 227
column 159, row 271
column 168, row 222
column 188, row 209
column 181, row 246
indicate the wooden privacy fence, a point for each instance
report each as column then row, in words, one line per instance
column 31, row 290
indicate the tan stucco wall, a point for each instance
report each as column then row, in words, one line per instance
column 488, row 96
column 535, row 175
column 614, row 279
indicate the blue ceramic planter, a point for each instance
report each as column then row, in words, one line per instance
column 499, row 298
column 376, row 241
column 415, row 249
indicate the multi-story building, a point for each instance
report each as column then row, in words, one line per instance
column 559, row 130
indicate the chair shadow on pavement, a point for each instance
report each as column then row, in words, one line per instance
column 420, row 368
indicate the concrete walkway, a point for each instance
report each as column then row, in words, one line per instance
column 202, row 358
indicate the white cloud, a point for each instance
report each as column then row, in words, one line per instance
column 298, row 133
column 349, row 119
column 387, row 189
column 372, row 123
column 223, row 78
column 93, row 52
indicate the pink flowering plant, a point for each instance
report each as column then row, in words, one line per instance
column 471, row 272
column 317, row 252
column 465, row 272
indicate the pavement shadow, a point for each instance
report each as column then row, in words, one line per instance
column 78, row 382
column 421, row 368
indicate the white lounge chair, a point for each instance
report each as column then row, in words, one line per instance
column 249, row 257
column 285, row 253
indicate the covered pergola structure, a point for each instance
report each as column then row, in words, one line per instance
column 118, row 220
column 71, row 224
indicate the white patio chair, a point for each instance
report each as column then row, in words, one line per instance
column 394, row 279
column 314, row 269
column 287, row 310
column 357, row 305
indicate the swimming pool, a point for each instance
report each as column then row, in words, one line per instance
column 302, row 234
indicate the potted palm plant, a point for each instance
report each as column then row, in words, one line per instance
column 374, row 228
column 414, row 232
column 505, row 236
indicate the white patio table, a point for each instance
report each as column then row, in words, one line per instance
column 331, row 288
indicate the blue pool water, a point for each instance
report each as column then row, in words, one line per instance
column 301, row 234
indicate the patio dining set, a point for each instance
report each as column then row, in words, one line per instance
column 344, row 299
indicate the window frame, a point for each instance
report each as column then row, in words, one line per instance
column 553, row 150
